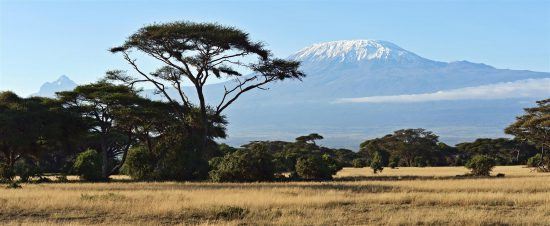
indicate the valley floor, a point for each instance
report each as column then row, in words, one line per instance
column 397, row 196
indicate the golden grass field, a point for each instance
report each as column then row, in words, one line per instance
column 520, row 198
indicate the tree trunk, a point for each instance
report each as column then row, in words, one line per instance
column 105, row 158
column 204, row 119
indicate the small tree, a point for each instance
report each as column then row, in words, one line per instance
column 534, row 127
column 243, row 166
column 313, row 167
column 309, row 138
column 359, row 163
column 376, row 163
column 481, row 165
column 139, row 163
column 88, row 165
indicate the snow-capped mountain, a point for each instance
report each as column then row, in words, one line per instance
column 357, row 51
column 48, row 89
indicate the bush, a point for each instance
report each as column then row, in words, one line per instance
column 243, row 166
column 139, row 164
column 359, row 163
column 6, row 174
column 481, row 165
column 88, row 165
column 394, row 162
column 180, row 162
column 534, row 161
column 419, row 161
column 540, row 161
column 25, row 170
column 313, row 167
column 376, row 163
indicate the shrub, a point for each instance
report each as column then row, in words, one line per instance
column 139, row 164
column 376, row 163
column 180, row 162
column 359, row 163
column 25, row 170
column 394, row 161
column 419, row 161
column 313, row 167
column 243, row 165
column 534, row 161
column 88, row 165
column 540, row 161
column 6, row 174
column 333, row 165
column 481, row 165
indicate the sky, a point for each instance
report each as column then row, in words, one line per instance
column 42, row 40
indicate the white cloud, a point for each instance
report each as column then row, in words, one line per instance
column 505, row 90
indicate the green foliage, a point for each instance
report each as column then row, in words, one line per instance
column 180, row 162
column 139, row 164
column 25, row 170
column 313, row 167
column 419, row 161
column 481, row 165
column 6, row 173
column 88, row 165
column 309, row 138
column 393, row 162
column 377, row 164
column 359, row 163
column 535, row 161
column 534, row 127
column 541, row 162
column 503, row 150
column 245, row 165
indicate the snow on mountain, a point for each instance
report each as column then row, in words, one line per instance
column 355, row 50
column 48, row 89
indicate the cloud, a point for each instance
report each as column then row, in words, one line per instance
column 505, row 90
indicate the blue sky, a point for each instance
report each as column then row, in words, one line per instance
column 41, row 40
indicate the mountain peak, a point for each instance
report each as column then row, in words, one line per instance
column 356, row 51
column 48, row 89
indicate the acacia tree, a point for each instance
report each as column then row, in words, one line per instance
column 110, row 111
column 196, row 53
column 309, row 138
column 29, row 127
column 534, row 127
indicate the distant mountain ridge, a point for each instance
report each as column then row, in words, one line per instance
column 379, row 69
column 48, row 89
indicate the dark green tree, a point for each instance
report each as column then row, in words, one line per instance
column 534, row 127
column 110, row 111
column 243, row 165
column 30, row 127
column 309, row 138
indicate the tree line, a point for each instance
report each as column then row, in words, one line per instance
column 107, row 127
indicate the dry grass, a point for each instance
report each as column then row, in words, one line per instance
column 522, row 197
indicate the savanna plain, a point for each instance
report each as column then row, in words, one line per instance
column 402, row 196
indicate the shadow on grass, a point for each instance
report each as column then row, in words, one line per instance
column 404, row 178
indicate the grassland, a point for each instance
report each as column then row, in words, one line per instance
column 522, row 197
